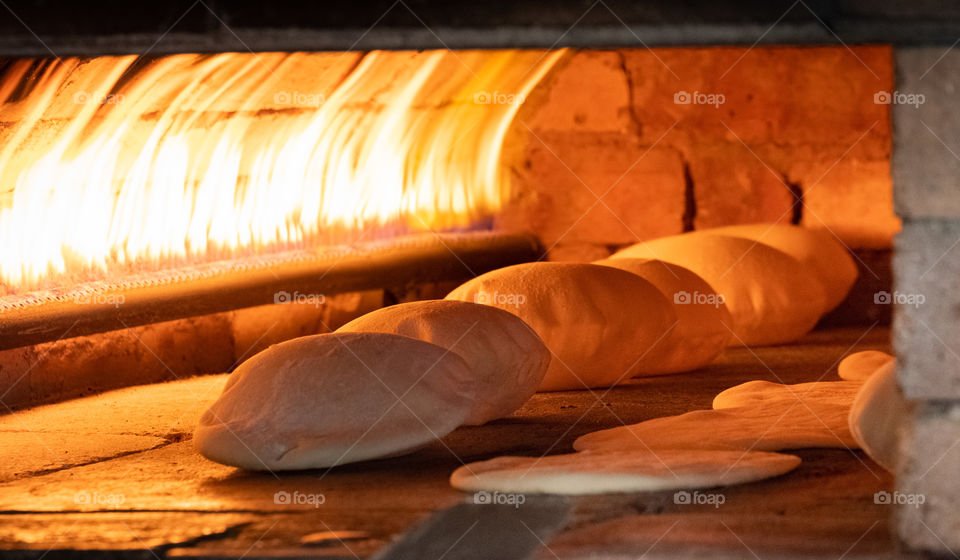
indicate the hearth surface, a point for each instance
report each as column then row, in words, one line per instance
column 118, row 472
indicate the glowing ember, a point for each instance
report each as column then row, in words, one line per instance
column 118, row 164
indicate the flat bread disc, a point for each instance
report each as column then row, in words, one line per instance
column 744, row 428
column 877, row 416
column 638, row 470
column 817, row 395
column 861, row 365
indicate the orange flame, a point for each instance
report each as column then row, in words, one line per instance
column 118, row 163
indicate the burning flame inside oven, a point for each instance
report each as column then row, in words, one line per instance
column 119, row 164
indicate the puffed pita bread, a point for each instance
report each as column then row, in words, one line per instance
column 878, row 414
column 638, row 470
column 507, row 357
column 601, row 324
column 818, row 249
column 816, row 394
column 330, row 399
column 744, row 428
column 772, row 297
column 861, row 365
column 703, row 321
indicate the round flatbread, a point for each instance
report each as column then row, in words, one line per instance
column 861, row 365
column 818, row 249
column 703, row 321
column 330, row 399
column 773, row 428
column 878, row 414
column 772, row 297
column 508, row 359
column 764, row 394
column 620, row 471
column 601, row 324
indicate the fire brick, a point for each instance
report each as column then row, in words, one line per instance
column 595, row 188
column 589, row 94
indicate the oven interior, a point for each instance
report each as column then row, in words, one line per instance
column 160, row 224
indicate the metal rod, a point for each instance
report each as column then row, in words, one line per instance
column 399, row 263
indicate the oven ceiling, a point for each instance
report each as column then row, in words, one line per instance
column 65, row 27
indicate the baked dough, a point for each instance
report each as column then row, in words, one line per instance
column 637, row 470
column 508, row 359
column 330, row 399
column 861, row 365
column 878, row 414
column 703, row 321
column 817, row 249
column 601, row 324
column 773, row 428
column 772, row 297
column 816, row 394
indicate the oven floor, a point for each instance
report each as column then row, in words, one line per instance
column 118, row 473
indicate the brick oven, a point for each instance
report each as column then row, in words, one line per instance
column 625, row 122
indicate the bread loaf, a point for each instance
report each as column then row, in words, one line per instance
column 508, row 359
column 601, row 324
column 330, row 399
column 771, row 296
column 819, row 250
column 703, row 322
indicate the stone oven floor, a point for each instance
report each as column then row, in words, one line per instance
column 118, row 472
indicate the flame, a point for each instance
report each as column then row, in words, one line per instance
column 114, row 164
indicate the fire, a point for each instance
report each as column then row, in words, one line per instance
column 114, row 164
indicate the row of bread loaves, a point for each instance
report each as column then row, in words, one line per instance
column 403, row 376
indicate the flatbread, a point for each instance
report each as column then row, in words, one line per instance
column 601, row 324
column 330, row 399
column 817, row 395
column 508, row 359
column 877, row 416
column 743, row 428
column 772, row 297
column 703, row 321
column 637, row 470
column 818, row 249
column 861, row 365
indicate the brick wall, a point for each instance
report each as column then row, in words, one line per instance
column 609, row 153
